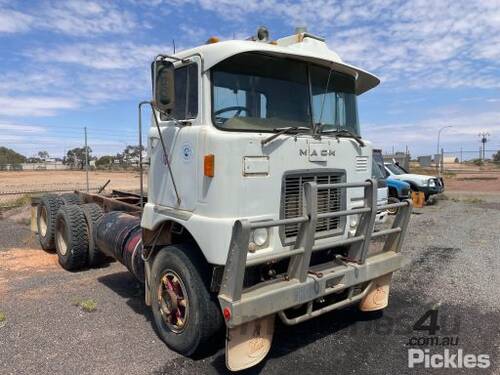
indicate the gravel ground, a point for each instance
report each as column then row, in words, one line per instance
column 453, row 251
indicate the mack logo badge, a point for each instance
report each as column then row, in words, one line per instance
column 317, row 152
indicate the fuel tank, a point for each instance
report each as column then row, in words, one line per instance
column 119, row 235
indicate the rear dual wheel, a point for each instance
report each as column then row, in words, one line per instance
column 46, row 220
column 71, row 237
column 93, row 212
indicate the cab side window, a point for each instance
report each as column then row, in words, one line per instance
column 186, row 92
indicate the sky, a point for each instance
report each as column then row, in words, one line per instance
column 69, row 64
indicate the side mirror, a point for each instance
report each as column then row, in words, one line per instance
column 163, row 86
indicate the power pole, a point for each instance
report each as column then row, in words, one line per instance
column 86, row 159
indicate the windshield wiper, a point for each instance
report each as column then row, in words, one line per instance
column 280, row 131
column 345, row 134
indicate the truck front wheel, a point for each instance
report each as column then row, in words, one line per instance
column 185, row 313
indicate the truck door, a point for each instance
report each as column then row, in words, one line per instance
column 180, row 138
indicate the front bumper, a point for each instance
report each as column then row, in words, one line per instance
column 437, row 188
column 304, row 284
column 283, row 294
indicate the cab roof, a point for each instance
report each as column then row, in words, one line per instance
column 301, row 46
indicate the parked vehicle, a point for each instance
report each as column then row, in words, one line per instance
column 397, row 190
column 260, row 201
column 429, row 185
column 382, row 192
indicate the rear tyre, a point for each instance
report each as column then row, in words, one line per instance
column 392, row 211
column 93, row 212
column 71, row 237
column 71, row 198
column 186, row 314
column 46, row 220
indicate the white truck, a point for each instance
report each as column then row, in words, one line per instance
column 260, row 199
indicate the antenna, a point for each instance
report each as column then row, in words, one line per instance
column 173, row 44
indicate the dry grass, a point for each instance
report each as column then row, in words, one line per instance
column 87, row 305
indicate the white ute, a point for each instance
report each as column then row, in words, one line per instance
column 260, row 200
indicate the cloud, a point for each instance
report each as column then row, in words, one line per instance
column 71, row 17
column 12, row 21
column 86, row 18
column 34, row 106
column 422, row 135
column 22, row 128
column 413, row 44
column 109, row 55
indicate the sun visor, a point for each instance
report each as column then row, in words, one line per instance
column 224, row 50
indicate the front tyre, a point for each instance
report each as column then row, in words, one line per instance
column 186, row 314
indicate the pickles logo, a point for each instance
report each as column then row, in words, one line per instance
column 449, row 359
column 451, row 356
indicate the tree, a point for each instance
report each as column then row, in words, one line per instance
column 76, row 157
column 131, row 153
column 9, row 156
column 44, row 155
column 496, row 157
column 104, row 161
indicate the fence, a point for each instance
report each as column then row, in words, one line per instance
column 19, row 197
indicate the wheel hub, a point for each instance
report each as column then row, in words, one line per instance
column 61, row 242
column 173, row 302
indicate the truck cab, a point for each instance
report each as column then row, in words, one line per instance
column 229, row 98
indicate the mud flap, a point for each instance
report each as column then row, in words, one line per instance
column 249, row 343
column 377, row 297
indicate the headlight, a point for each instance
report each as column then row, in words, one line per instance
column 260, row 236
column 354, row 221
column 432, row 183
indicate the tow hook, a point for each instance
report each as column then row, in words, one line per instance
column 347, row 261
column 319, row 275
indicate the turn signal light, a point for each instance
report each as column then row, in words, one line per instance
column 227, row 313
column 209, row 165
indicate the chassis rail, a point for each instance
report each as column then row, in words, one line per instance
column 300, row 285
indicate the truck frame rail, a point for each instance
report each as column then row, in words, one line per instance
column 300, row 284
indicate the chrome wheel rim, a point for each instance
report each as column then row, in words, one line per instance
column 173, row 301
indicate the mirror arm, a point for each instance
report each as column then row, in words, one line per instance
column 164, row 57
column 165, row 153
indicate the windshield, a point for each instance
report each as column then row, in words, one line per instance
column 259, row 92
column 395, row 169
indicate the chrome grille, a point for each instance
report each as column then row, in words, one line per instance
column 329, row 200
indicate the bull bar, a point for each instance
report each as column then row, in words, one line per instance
column 301, row 286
